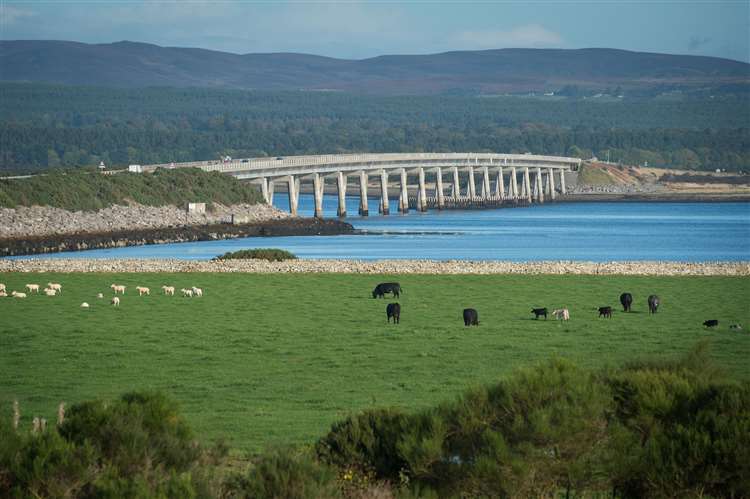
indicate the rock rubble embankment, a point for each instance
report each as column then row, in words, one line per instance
column 34, row 221
column 379, row 267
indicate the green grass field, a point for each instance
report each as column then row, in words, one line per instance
column 272, row 359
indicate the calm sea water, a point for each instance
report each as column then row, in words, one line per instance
column 564, row 231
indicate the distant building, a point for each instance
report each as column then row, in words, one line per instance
column 196, row 207
column 135, row 169
column 101, row 166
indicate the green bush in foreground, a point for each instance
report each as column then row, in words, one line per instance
column 270, row 254
column 650, row 429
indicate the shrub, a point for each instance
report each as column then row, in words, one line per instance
column 270, row 254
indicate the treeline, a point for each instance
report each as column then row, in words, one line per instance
column 90, row 190
column 647, row 430
column 46, row 126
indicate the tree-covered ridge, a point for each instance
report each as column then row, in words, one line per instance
column 92, row 191
column 43, row 126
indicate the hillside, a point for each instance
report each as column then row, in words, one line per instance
column 129, row 64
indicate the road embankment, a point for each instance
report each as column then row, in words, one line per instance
column 390, row 267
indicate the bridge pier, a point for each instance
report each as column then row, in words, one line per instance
column 318, row 188
column 471, row 189
column 456, row 189
column 539, row 186
column 422, row 196
column 527, row 184
column 499, row 184
column 293, row 186
column 271, row 186
column 384, row 192
column 264, row 190
column 363, row 207
column 485, row 182
column 513, row 185
column 403, row 201
column 551, row 183
column 341, row 183
column 439, row 188
column 562, row 182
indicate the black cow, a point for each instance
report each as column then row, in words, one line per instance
column 471, row 317
column 711, row 323
column 386, row 287
column 626, row 299
column 539, row 312
column 606, row 312
column 653, row 304
column 393, row 310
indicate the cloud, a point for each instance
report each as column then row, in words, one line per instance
column 529, row 35
column 696, row 42
column 10, row 14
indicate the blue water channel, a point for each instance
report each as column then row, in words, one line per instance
column 553, row 231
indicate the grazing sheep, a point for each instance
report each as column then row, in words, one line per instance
column 116, row 301
column 32, row 287
column 143, row 291
column 3, row 294
column 100, row 295
column 2, row 286
column 561, row 314
column 736, row 327
column 56, row 286
column 16, row 294
column 187, row 292
column 118, row 288
column 197, row 291
column 84, row 305
column 50, row 292
column 168, row 290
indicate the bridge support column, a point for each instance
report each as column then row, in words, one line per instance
column 456, row 188
column 471, row 189
column 527, row 184
column 513, row 184
column 264, row 190
column 403, row 201
column 485, row 182
column 551, row 183
column 439, row 188
column 271, row 186
column 341, row 183
column 384, row 193
column 562, row 182
column 363, row 207
column 422, row 197
column 318, row 187
column 293, row 186
column 499, row 185
column 539, row 186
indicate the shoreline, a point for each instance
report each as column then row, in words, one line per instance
column 654, row 198
column 392, row 267
column 81, row 241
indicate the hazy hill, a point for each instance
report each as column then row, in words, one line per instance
column 128, row 64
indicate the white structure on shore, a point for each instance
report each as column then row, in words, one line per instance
column 504, row 178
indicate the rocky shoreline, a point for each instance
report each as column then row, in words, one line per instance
column 390, row 267
column 287, row 226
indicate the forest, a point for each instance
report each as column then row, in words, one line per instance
column 48, row 126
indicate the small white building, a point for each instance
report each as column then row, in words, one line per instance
column 135, row 169
column 196, row 207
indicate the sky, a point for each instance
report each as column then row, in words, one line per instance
column 355, row 29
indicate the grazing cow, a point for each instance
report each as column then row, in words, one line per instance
column 561, row 314
column 711, row 323
column 653, row 304
column 393, row 310
column 471, row 317
column 386, row 287
column 606, row 312
column 538, row 312
column 626, row 299
column 115, row 301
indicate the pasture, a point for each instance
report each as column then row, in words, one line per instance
column 275, row 359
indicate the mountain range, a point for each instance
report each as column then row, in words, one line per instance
column 133, row 65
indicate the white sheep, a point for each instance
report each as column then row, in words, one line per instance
column 2, row 286
column 84, row 305
column 32, row 287
column 143, row 291
column 56, row 286
column 100, row 295
column 50, row 292
column 561, row 313
column 197, row 291
column 168, row 290
column 187, row 292
column 3, row 294
column 117, row 287
column 18, row 295
column 116, row 301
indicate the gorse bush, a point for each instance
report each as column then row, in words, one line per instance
column 270, row 254
column 80, row 190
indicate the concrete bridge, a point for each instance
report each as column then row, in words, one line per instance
column 503, row 178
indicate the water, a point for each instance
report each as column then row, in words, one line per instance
column 564, row 231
